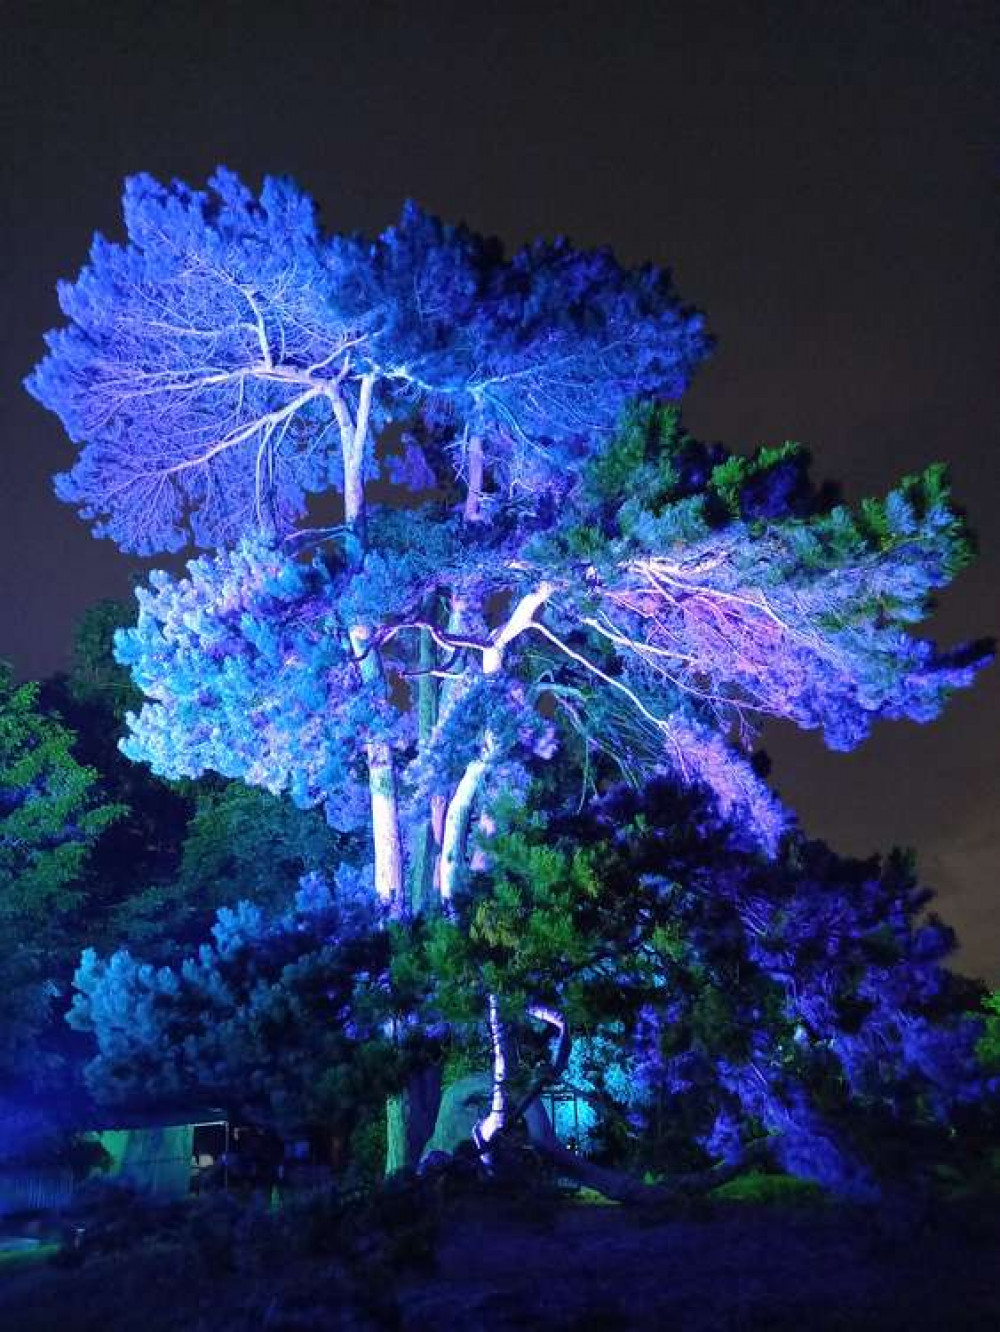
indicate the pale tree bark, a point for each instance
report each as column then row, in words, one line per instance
column 439, row 804
column 502, row 1112
column 454, row 853
column 457, row 819
column 387, row 844
column 474, row 490
column 406, row 1114
column 500, row 1071
column 458, row 814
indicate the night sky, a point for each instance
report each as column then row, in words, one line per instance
column 821, row 177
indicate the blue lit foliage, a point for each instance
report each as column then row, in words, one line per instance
column 801, row 999
column 538, row 354
column 248, row 672
column 248, row 662
column 171, row 372
column 650, row 596
column 202, row 358
column 676, row 620
column 282, row 1014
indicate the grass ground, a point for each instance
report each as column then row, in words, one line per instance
column 495, row 1264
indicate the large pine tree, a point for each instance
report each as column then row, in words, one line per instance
column 558, row 562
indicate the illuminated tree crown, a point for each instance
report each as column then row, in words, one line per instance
column 212, row 364
column 561, row 563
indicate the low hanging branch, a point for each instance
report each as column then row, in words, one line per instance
column 617, row 1185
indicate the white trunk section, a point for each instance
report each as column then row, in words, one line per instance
column 439, row 807
column 386, row 841
column 490, row 1125
column 387, row 844
column 474, row 493
column 457, row 818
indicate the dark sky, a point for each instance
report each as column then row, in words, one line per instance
column 822, row 177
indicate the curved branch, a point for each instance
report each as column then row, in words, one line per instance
column 556, row 1068
column 622, row 1187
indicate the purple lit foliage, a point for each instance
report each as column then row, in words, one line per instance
column 661, row 595
column 214, row 364
column 657, row 659
column 191, row 370
column 800, row 1001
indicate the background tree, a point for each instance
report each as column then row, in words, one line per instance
column 92, row 697
column 52, row 812
column 157, row 876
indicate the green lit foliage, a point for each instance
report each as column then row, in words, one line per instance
column 50, row 809
column 989, row 1045
column 51, row 814
column 717, row 998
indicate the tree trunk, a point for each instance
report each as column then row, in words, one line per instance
column 474, row 491
column 387, row 845
column 404, row 1113
column 426, row 839
column 622, row 1187
column 457, row 819
column 410, row 1118
column 501, row 1061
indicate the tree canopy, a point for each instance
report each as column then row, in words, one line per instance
column 52, row 811
column 561, row 570
column 215, row 363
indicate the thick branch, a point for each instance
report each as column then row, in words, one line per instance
column 622, row 1187
column 457, row 818
column 554, row 1071
column 520, row 619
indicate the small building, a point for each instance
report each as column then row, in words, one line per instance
column 164, row 1153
